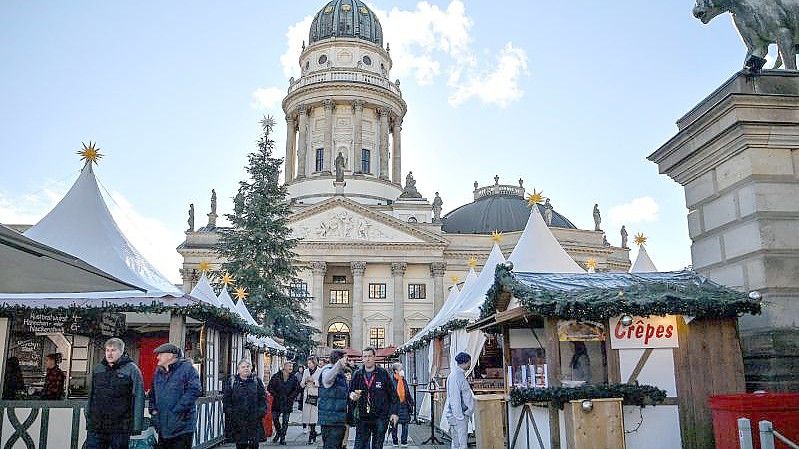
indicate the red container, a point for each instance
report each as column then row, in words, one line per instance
column 782, row 409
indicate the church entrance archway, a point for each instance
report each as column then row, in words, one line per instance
column 338, row 335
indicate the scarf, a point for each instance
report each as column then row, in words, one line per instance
column 400, row 387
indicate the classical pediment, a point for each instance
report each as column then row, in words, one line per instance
column 342, row 220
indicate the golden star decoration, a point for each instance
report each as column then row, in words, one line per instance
column 591, row 264
column 455, row 278
column 227, row 279
column 640, row 239
column 496, row 236
column 241, row 293
column 535, row 198
column 204, row 266
column 472, row 262
column 89, row 153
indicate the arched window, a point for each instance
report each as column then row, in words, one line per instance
column 338, row 327
column 338, row 335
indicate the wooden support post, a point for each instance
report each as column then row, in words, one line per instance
column 177, row 330
column 553, row 376
column 614, row 364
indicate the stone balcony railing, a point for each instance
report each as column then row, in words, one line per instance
column 498, row 189
column 346, row 76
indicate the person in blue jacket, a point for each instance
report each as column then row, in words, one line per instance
column 173, row 398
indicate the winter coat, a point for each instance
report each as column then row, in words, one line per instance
column 284, row 392
column 244, row 402
column 173, row 399
column 310, row 413
column 460, row 399
column 384, row 400
column 116, row 398
column 405, row 409
column 54, row 384
column 333, row 399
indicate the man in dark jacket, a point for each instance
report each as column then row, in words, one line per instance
column 116, row 400
column 176, row 387
column 333, row 392
column 284, row 388
column 372, row 388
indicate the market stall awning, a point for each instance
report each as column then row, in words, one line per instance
column 539, row 251
column 598, row 296
column 33, row 267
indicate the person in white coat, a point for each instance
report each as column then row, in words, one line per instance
column 310, row 411
column 460, row 399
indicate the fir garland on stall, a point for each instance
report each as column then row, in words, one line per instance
column 631, row 394
column 433, row 334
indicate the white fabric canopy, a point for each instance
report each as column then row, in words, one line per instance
column 471, row 298
column 261, row 341
column 81, row 225
column 204, row 292
column 225, row 301
column 643, row 264
column 538, row 251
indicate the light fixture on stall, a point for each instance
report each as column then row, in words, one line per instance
column 626, row 320
column 755, row 295
column 587, row 405
column 509, row 265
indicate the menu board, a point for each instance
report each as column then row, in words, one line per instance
column 37, row 322
column 29, row 353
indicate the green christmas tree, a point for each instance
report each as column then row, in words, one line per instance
column 259, row 249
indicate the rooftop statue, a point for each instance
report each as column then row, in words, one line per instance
column 760, row 23
column 410, row 187
column 437, row 203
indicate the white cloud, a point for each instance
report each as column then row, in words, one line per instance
column 267, row 97
column 639, row 210
column 154, row 240
column 429, row 41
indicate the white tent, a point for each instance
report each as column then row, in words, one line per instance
column 204, row 292
column 260, row 341
column 643, row 263
column 225, row 301
column 473, row 296
column 538, row 251
column 82, row 225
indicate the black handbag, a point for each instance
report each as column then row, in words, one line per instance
column 311, row 400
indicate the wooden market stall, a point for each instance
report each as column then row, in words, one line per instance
column 586, row 356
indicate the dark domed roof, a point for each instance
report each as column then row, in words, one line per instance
column 503, row 213
column 346, row 18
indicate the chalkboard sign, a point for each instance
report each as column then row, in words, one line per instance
column 29, row 352
column 37, row 322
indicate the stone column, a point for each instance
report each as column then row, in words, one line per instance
column 326, row 165
column 396, row 158
column 317, row 303
column 358, row 268
column 383, row 142
column 291, row 155
column 398, row 273
column 437, row 270
column 302, row 141
column 357, row 108
column 737, row 155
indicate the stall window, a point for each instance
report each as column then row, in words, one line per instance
column 339, row 297
column 377, row 291
column 377, row 337
column 417, row 291
column 583, row 359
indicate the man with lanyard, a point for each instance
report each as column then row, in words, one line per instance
column 376, row 398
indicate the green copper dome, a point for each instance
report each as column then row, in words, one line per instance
column 346, row 18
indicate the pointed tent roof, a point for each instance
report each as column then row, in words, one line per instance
column 264, row 341
column 538, row 251
column 471, row 298
column 225, row 301
column 643, row 263
column 204, row 292
column 81, row 225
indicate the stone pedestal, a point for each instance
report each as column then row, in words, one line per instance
column 737, row 155
column 339, row 187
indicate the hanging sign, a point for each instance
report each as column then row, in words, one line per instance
column 644, row 332
column 37, row 322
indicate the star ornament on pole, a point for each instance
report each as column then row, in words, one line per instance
column 535, row 198
column 89, row 153
column 204, row 266
column 268, row 123
column 227, row 279
column 241, row 293
column 496, row 236
column 455, row 278
column 472, row 262
column 591, row 264
column 640, row 239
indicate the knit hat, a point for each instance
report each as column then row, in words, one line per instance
column 462, row 358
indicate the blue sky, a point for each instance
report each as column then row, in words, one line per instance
column 570, row 96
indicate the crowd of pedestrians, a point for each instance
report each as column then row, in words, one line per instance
column 333, row 397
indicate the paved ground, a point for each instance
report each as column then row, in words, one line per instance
column 295, row 438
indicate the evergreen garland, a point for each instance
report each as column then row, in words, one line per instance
column 431, row 335
column 631, row 394
column 259, row 250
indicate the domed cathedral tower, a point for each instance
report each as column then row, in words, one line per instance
column 344, row 114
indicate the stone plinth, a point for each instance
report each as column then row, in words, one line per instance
column 737, row 156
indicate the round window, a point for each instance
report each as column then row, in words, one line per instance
column 323, row 59
column 367, row 60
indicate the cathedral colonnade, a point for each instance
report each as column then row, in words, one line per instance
column 299, row 135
